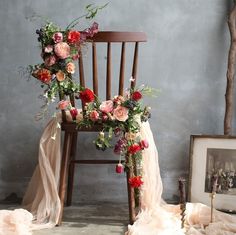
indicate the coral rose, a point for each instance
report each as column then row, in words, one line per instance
column 136, row 181
column 62, row 50
column 121, row 113
column 134, row 148
column 70, row 67
column 50, row 60
column 60, row 76
column 137, row 95
column 94, row 115
column 87, row 95
column 57, row 37
column 106, row 106
column 73, row 37
column 118, row 99
column 63, row 104
column 44, row 75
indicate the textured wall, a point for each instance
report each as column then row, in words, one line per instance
column 185, row 57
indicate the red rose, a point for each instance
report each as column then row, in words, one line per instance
column 137, row 95
column 86, row 95
column 73, row 37
column 133, row 149
column 119, row 168
column 136, row 181
column 73, row 113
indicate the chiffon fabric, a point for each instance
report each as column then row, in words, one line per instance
column 42, row 202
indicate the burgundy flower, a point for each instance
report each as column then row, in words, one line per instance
column 87, row 95
column 134, row 148
column 120, row 144
column 144, row 144
column 73, row 113
column 137, row 95
column 136, row 181
column 119, row 168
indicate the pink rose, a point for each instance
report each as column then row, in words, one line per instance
column 144, row 144
column 106, row 106
column 121, row 113
column 57, row 37
column 48, row 49
column 63, row 104
column 50, row 60
column 62, row 50
column 70, row 67
column 94, row 115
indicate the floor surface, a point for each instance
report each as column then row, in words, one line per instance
column 99, row 219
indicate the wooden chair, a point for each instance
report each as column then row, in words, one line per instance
column 70, row 137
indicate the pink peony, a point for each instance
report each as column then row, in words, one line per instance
column 94, row 115
column 121, row 113
column 62, row 50
column 106, row 106
column 57, row 37
column 63, row 104
column 48, row 49
column 70, row 67
column 50, row 60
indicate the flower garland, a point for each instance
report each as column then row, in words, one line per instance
column 121, row 116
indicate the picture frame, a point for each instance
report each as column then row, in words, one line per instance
column 213, row 155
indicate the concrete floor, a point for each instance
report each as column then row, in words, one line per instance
column 97, row 219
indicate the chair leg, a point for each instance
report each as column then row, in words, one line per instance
column 131, row 199
column 71, row 172
column 64, row 171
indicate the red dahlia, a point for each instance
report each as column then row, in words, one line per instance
column 134, row 148
column 44, row 75
column 86, row 95
column 137, row 95
column 136, row 181
column 73, row 37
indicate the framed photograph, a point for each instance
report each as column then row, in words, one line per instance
column 213, row 156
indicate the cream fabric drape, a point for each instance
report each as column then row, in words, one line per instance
column 155, row 217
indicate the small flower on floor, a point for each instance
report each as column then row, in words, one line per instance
column 136, row 181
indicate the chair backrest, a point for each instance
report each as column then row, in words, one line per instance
column 110, row 37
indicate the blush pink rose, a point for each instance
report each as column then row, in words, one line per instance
column 57, row 37
column 94, row 115
column 62, row 50
column 106, row 106
column 63, row 104
column 121, row 113
column 50, row 60
column 70, row 67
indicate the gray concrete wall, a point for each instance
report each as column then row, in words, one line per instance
column 185, row 57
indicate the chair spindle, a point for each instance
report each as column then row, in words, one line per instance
column 108, row 75
column 135, row 65
column 95, row 73
column 122, row 70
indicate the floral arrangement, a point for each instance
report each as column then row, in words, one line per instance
column 120, row 117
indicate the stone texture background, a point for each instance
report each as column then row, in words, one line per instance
column 185, row 57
